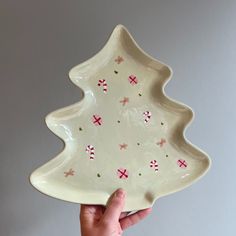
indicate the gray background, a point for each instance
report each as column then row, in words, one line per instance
column 42, row 40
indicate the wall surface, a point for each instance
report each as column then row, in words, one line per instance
column 41, row 40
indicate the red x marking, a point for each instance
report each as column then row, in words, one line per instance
column 97, row 120
column 133, row 79
column 182, row 163
column 122, row 173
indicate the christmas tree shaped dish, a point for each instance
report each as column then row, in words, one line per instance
column 125, row 132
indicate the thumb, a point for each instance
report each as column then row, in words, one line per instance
column 115, row 206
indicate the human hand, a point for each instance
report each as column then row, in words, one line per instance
column 97, row 220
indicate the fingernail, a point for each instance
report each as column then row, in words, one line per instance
column 120, row 193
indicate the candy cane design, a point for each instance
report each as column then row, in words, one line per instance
column 147, row 116
column 104, row 84
column 90, row 150
column 153, row 164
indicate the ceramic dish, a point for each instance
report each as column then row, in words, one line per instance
column 125, row 132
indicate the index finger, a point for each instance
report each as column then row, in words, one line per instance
column 115, row 206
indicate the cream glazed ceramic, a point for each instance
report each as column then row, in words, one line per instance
column 125, row 132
